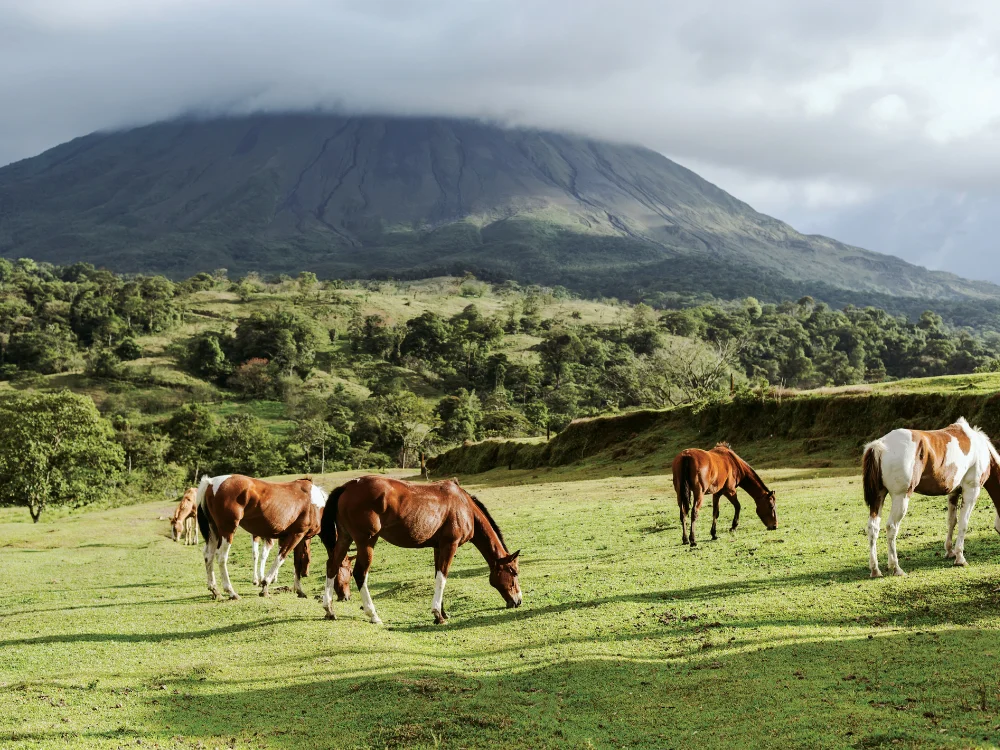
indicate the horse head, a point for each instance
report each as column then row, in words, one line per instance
column 503, row 577
column 176, row 527
column 342, row 582
column 766, row 510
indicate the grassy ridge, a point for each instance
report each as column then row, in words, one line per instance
column 827, row 428
column 626, row 638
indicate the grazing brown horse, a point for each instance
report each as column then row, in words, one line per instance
column 287, row 511
column 441, row 515
column 718, row 473
column 183, row 520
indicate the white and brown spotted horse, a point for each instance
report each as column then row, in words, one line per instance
column 957, row 461
column 290, row 512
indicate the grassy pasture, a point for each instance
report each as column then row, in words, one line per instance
column 626, row 638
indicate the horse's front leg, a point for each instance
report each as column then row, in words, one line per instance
column 224, row 547
column 953, row 502
column 443, row 556
column 715, row 514
column 286, row 544
column 736, row 515
column 970, row 493
column 683, row 505
column 900, row 503
column 362, row 563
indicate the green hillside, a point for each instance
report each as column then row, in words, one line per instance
column 376, row 196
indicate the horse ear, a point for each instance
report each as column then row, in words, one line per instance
column 509, row 558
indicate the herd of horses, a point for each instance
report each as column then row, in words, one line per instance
column 957, row 461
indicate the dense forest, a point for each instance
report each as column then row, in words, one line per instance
column 302, row 375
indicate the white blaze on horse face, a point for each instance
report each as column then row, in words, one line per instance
column 318, row 496
column 217, row 482
column 438, row 601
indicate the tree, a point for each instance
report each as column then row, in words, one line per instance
column 55, row 448
column 193, row 431
column 280, row 336
column 49, row 350
column 255, row 378
column 315, row 433
column 246, row 447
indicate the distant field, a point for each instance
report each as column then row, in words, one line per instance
column 626, row 638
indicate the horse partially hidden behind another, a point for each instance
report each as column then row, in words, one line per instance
column 441, row 515
column 957, row 461
column 183, row 521
column 718, row 472
column 288, row 511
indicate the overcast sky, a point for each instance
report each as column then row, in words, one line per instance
column 874, row 121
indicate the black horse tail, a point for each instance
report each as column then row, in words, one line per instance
column 684, row 483
column 204, row 522
column 328, row 524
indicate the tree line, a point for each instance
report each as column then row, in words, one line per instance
column 356, row 389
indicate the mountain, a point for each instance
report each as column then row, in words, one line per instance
column 348, row 196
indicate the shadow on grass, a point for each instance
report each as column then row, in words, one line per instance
column 178, row 635
column 821, row 694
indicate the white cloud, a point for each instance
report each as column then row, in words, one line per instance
column 809, row 110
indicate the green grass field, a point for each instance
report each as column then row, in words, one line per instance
column 625, row 639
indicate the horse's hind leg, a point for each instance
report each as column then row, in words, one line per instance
column 683, row 504
column 900, row 503
column 211, row 545
column 443, row 555
column 361, row 565
column 954, row 499
column 285, row 546
column 699, row 497
column 736, row 515
column 715, row 513
column 268, row 546
column 227, row 586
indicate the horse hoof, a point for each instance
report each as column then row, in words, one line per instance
column 265, row 594
column 234, row 597
column 376, row 621
column 302, row 594
column 694, row 544
column 330, row 616
column 439, row 619
column 899, row 572
column 876, row 573
column 960, row 562
column 715, row 537
column 949, row 553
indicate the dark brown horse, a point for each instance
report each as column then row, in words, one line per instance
column 287, row 511
column 718, row 473
column 440, row 515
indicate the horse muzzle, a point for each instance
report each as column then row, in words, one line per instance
column 514, row 603
column 772, row 528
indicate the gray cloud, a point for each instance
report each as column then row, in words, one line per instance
column 871, row 120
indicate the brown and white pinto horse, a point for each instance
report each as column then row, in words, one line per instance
column 288, row 511
column 957, row 461
column 183, row 520
column 441, row 515
column 718, row 473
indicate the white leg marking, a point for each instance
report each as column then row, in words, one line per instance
column 438, row 602
column 256, row 561
column 899, row 506
column 227, row 585
column 263, row 562
column 969, row 497
column 298, row 586
column 874, row 523
column 272, row 574
column 210, row 548
column 368, row 605
column 328, row 598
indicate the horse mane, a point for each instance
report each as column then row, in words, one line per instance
column 743, row 464
column 496, row 529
